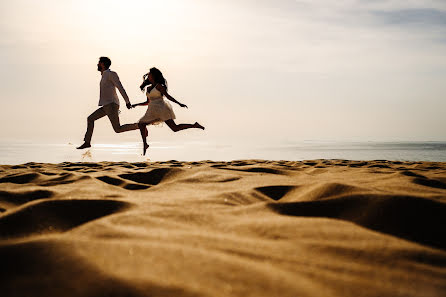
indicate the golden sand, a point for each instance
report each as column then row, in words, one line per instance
column 240, row 228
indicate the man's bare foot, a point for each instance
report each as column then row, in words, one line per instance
column 85, row 145
column 196, row 125
column 146, row 146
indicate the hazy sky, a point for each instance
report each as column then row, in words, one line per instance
column 264, row 71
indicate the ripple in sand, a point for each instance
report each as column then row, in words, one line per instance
column 275, row 192
column 18, row 198
column 153, row 177
column 50, row 216
column 410, row 217
column 20, row 178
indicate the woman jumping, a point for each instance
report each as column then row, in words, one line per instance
column 158, row 109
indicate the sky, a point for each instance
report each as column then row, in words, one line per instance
column 258, row 71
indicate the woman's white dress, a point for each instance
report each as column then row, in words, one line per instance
column 158, row 109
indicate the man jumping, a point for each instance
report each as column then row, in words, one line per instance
column 109, row 102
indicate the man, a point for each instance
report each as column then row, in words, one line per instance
column 109, row 102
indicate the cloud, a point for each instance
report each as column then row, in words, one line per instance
column 389, row 5
column 424, row 17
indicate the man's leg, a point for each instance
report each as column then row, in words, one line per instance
column 112, row 111
column 99, row 113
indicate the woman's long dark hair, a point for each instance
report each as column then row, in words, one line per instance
column 157, row 77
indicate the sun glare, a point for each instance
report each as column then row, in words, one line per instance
column 143, row 14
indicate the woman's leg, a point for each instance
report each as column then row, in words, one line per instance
column 175, row 128
column 144, row 133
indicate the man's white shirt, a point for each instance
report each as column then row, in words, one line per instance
column 109, row 82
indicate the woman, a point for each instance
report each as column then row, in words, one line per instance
column 158, row 109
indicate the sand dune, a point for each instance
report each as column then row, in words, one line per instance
column 240, row 228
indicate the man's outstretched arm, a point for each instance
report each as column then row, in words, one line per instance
column 117, row 83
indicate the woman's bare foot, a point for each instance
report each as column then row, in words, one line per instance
column 196, row 125
column 146, row 146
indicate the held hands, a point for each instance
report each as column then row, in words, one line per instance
column 129, row 106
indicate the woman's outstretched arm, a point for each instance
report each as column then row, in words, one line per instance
column 142, row 103
column 163, row 91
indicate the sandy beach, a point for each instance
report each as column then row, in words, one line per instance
column 239, row 228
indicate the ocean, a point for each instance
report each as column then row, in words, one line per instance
column 23, row 152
